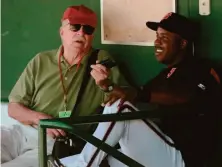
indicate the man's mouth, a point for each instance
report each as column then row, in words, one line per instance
column 158, row 50
column 79, row 41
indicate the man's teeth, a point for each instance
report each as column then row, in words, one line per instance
column 159, row 50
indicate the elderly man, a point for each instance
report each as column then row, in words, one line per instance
column 50, row 86
column 187, row 90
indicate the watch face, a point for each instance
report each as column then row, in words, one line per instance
column 110, row 88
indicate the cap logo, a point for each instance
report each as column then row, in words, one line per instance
column 171, row 72
column 202, row 86
column 167, row 15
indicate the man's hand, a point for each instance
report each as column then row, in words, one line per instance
column 120, row 93
column 100, row 73
column 55, row 133
column 51, row 132
column 30, row 117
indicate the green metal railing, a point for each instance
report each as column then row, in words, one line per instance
column 70, row 126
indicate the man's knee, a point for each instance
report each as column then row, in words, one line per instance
column 11, row 142
column 9, row 132
column 27, row 159
column 115, row 107
column 111, row 109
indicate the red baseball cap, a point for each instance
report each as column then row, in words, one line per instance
column 80, row 15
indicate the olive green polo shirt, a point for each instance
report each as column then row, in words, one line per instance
column 40, row 89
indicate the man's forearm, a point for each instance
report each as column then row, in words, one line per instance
column 167, row 99
column 22, row 113
column 162, row 98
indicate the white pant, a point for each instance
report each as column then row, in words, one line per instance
column 137, row 141
column 19, row 143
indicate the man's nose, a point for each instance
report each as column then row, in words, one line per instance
column 80, row 32
column 157, row 41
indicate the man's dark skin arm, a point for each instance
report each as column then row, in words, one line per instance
column 125, row 94
column 180, row 94
column 163, row 97
column 167, row 98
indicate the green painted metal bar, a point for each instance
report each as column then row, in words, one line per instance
column 66, row 124
column 62, row 124
column 91, row 139
column 115, row 117
column 106, row 148
column 42, row 147
column 105, row 118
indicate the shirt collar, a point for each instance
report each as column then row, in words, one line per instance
column 185, row 62
column 83, row 61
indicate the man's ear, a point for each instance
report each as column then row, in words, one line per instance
column 61, row 31
column 183, row 44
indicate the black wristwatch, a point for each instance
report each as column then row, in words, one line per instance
column 109, row 88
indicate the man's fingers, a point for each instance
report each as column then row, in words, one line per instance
column 56, row 132
column 53, row 133
column 50, row 133
column 100, row 68
column 107, row 100
column 62, row 132
column 96, row 75
column 94, row 67
column 92, row 74
column 112, row 100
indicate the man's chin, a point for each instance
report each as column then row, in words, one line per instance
column 77, row 47
column 159, row 57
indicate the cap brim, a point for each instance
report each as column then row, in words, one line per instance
column 82, row 20
column 152, row 25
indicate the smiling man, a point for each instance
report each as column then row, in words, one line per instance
column 172, row 40
column 189, row 86
column 50, row 86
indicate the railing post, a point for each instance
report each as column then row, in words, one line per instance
column 42, row 147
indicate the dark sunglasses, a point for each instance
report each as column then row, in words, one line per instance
column 87, row 29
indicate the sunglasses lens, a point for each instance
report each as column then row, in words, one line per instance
column 75, row 27
column 88, row 29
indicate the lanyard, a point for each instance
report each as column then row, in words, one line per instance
column 61, row 80
column 65, row 91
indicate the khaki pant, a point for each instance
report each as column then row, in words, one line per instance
column 19, row 143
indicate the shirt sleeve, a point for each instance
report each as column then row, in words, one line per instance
column 23, row 90
column 208, row 88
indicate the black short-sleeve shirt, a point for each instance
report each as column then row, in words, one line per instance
column 194, row 129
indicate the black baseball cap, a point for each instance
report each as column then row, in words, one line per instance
column 177, row 24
